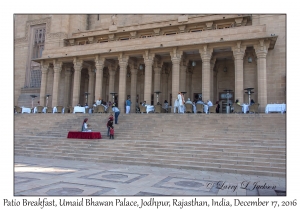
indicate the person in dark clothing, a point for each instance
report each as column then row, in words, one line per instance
column 218, row 107
column 109, row 124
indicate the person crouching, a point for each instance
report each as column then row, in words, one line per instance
column 84, row 127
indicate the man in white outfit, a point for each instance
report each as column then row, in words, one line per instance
column 176, row 104
column 180, row 103
column 209, row 103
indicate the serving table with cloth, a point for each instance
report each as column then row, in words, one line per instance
column 44, row 110
column 79, row 109
column 83, row 135
column 55, row 110
column 26, row 110
column 275, row 108
column 149, row 108
column 245, row 108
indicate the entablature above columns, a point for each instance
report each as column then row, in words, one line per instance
column 182, row 39
column 165, row 51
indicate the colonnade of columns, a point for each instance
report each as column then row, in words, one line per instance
column 181, row 76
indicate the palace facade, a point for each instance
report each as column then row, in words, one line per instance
column 79, row 58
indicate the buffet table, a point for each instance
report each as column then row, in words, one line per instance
column 79, row 109
column 84, row 135
column 26, row 110
column 245, row 108
column 149, row 108
column 275, row 108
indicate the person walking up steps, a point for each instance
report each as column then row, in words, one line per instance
column 117, row 112
column 111, row 132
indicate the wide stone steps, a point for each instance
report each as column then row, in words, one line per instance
column 251, row 144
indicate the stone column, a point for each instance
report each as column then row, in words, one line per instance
column 176, row 58
column 261, row 51
column 238, row 53
column 99, row 64
column 76, row 83
column 112, row 73
column 212, row 85
column 205, row 54
column 183, row 68
column 67, row 86
column 91, row 86
column 164, row 84
column 189, row 83
column 133, row 72
column 43, row 84
column 148, row 60
column 123, row 62
column 57, row 66
column 157, row 76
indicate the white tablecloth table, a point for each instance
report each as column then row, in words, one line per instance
column 245, row 108
column 79, row 109
column 275, row 108
column 149, row 108
column 26, row 110
column 44, row 110
column 55, row 110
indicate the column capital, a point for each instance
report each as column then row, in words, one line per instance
column 157, row 63
column 238, row 51
column 99, row 61
column 57, row 66
column 175, row 61
column 148, row 57
column 123, row 60
column 261, row 48
column 176, row 54
column 45, row 69
column 77, row 64
column 205, row 53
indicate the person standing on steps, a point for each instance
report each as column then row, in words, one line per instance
column 108, row 125
column 128, row 104
column 117, row 112
column 180, row 103
column 111, row 132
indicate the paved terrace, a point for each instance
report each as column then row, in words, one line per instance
column 45, row 177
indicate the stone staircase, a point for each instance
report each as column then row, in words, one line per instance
column 233, row 143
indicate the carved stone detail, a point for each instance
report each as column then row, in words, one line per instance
column 209, row 25
column 72, row 42
column 156, row 31
column 238, row 21
column 133, row 34
column 91, row 39
column 182, row 28
column 111, row 37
